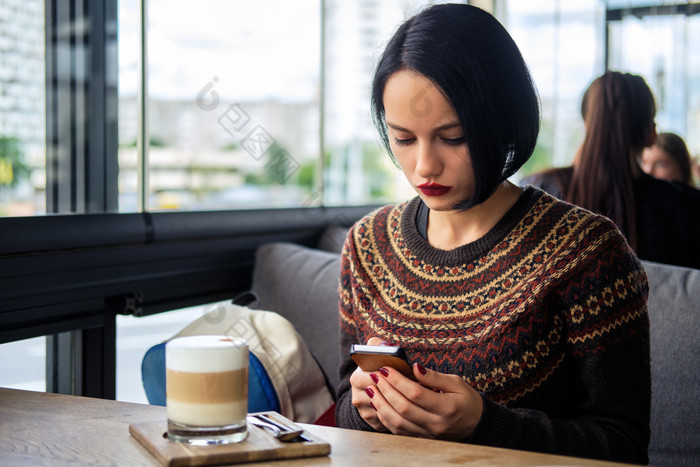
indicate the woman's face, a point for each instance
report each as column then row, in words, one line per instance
column 657, row 163
column 427, row 140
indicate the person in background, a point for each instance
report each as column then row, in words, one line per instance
column 659, row 218
column 668, row 159
column 524, row 317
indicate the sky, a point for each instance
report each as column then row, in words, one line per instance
column 249, row 50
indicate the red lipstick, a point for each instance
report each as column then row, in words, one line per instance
column 434, row 189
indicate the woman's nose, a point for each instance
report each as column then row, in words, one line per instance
column 427, row 162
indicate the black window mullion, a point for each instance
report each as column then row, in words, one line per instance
column 81, row 103
column 81, row 166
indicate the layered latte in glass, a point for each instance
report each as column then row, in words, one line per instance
column 206, row 389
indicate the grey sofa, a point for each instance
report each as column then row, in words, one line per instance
column 302, row 284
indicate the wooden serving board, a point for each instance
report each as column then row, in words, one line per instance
column 258, row 446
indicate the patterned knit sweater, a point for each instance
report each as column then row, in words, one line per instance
column 545, row 316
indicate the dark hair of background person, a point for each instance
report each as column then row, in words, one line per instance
column 674, row 146
column 618, row 110
column 497, row 105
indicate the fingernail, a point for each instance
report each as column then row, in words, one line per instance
column 370, row 403
column 374, row 377
column 385, row 344
column 369, row 392
column 421, row 369
column 384, row 371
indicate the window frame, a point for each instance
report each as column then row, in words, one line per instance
column 68, row 274
column 618, row 14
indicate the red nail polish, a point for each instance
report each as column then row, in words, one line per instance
column 369, row 392
column 384, row 344
column 374, row 377
column 384, row 371
column 421, row 369
column 370, row 403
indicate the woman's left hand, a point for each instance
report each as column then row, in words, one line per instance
column 437, row 406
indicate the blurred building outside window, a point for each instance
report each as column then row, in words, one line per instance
column 22, row 108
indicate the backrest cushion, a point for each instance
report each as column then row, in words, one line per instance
column 674, row 317
column 301, row 284
column 333, row 238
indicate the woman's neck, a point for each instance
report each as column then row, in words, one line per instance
column 448, row 230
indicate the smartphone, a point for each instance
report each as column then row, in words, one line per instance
column 374, row 357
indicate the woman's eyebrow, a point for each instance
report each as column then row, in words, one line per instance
column 446, row 126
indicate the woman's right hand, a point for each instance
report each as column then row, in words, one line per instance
column 362, row 384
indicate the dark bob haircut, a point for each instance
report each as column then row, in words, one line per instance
column 473, row 60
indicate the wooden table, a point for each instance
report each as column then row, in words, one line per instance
column 57, row 430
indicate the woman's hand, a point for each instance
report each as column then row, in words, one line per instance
column 362, row 387
column 438, row 406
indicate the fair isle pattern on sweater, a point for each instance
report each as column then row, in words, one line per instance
column 505, row 314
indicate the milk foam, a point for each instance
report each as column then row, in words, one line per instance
column 206, row 354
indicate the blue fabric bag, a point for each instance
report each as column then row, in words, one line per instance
column 262, row 396
column 283, row 376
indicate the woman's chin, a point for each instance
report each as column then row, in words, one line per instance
column 438, row 203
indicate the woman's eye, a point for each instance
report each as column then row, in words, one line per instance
column 454, row 141
column 403, row 142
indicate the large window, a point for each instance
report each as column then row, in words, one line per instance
column 657, row 43
column 568, row 44
column 22, row 155
column 266, row 104
column 261, row 104
column 231, row 107
column 562, row 43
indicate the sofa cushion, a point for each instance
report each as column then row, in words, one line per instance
column 674, row 318
column 333, row 238
column 301, row 284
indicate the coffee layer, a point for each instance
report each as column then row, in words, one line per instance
column 207, row 388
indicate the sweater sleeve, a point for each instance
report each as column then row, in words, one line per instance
column 346, row 415
column 604, row 303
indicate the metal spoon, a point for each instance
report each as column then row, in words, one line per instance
column 278, row 430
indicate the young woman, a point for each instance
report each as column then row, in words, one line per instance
column 668, row 159
column 524, row 317
column 659, row 219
